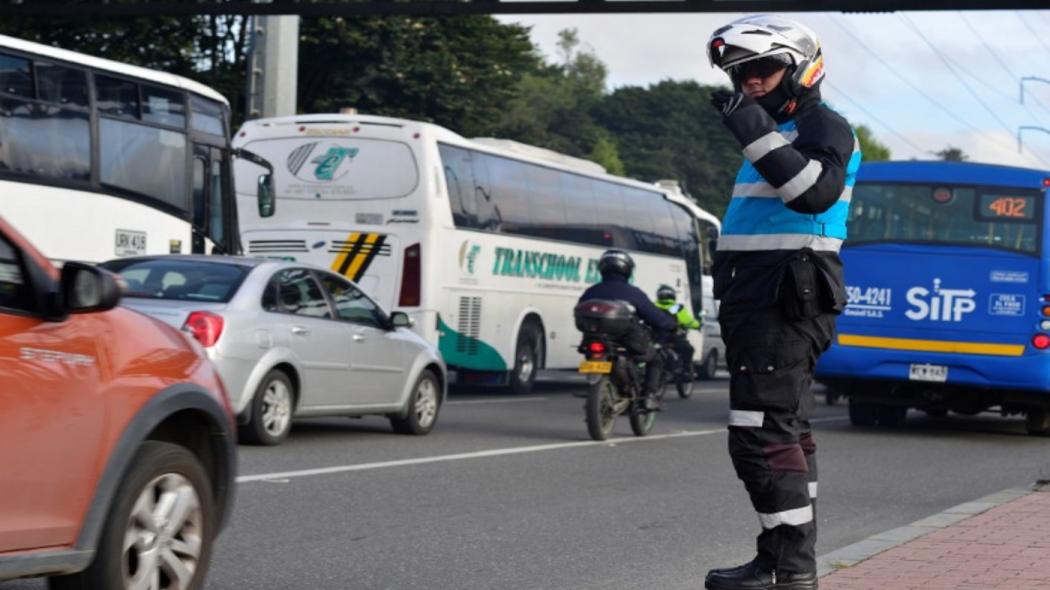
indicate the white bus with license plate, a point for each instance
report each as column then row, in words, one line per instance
column 486, row 243
column 101, row 159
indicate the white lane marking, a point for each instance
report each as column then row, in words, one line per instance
column 485, row 454
column 517, row 400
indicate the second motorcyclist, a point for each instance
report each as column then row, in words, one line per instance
column 667, row 300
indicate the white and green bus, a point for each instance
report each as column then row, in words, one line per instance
column 486, row 243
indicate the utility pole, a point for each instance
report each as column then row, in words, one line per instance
column 273, row 66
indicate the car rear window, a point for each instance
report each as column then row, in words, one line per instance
column 179, row 280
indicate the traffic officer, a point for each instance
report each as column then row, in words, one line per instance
column 616, row 268
column 779, row 277
column 666, row 299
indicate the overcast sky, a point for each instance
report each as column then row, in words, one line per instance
column 959, row 88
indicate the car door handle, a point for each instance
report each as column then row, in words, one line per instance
column 357, row 338
column 300, row 331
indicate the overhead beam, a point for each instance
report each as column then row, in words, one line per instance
column 445, row 7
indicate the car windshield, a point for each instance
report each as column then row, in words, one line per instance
column 179, row 280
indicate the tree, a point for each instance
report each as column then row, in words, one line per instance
column 873, row 150
column 460, row 72
column 669, row 131
column 952, row 154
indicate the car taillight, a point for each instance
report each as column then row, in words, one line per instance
column 1041, row 341
column 596, row 350
column 205, row 326
column 410, row 278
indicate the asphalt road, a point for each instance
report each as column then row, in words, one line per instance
column 509, row 493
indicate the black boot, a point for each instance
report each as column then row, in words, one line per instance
column 751, row 577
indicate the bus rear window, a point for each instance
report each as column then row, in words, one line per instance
column 339, row 168
column 1008, row 219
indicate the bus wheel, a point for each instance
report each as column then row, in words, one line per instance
column 892, row 416
column 527, row 358
column 1037, row 422
column 862, row 414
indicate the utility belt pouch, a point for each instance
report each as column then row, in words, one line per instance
column 800, row 289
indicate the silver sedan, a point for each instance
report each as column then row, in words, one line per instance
column 292, row 340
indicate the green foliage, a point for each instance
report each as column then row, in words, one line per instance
column 669, row 130
column 872, row 150
column 606, row 154
column 460, row 72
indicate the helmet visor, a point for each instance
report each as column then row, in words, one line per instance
column 763, row 67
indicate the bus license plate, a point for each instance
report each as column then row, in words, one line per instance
column 600, row 367
column 936, row 373
column 130, row 243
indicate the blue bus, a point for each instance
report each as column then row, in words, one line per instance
column 948, row 294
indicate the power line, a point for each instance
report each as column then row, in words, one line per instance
column 1032, row 31
column 876, row 118
column 948, row 65
column 911, row 85
column 995, row 55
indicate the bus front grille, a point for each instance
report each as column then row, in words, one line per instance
column 469, row 325
column 267, row 246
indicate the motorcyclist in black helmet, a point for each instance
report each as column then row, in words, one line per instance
column 616, row 268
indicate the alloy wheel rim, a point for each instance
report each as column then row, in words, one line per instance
column 426, row 403
column 163, row 538
column 277, row 408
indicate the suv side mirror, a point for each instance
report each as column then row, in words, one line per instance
column 267, row 203
column 400, row 319
column 89, row 288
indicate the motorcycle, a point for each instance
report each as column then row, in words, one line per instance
column 617, row 383
column 675, row 372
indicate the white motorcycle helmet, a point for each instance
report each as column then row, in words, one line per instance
column 768, row 36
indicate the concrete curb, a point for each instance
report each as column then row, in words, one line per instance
column 858, row 552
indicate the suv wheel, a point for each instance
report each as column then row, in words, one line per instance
column 160, row 527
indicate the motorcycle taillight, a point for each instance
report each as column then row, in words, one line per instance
column 596, row 350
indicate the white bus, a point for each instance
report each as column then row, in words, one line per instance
column 486, row 243
column 711, row 353
column 100, row 159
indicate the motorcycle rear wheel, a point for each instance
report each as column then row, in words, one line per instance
column 601, row 415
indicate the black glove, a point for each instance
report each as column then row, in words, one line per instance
column 729, row 102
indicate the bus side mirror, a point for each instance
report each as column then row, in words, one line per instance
column 267, row 203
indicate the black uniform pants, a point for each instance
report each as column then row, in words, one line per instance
column 770, row 359
column 685, row 352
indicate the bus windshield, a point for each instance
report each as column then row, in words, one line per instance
column 992, row 217
column 339, row 168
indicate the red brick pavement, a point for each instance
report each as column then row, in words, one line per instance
column 1005, row 548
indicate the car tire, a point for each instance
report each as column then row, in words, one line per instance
column 710, row 366
column 179, row 551
column 892, row 416
column 271, row 411
column 528, row 354
column 424, row 404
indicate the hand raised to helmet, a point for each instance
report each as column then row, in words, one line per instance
column 730, row 102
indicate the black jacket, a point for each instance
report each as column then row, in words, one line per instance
column 619, row 289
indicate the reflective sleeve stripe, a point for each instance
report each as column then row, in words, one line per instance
column 764, row 189
column 745, row 418
column 778, row 242
column 765, row 144
column 793, row 517
column 802, row 181
column 675, row 308
column 813, row 490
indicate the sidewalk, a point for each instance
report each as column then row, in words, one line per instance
column 1001, row 542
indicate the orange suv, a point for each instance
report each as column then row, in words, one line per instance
column 117, row 446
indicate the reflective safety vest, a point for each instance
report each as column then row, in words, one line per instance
column 758, row 219
column 680, row 312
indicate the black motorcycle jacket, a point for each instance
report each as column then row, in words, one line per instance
column 619, row 289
